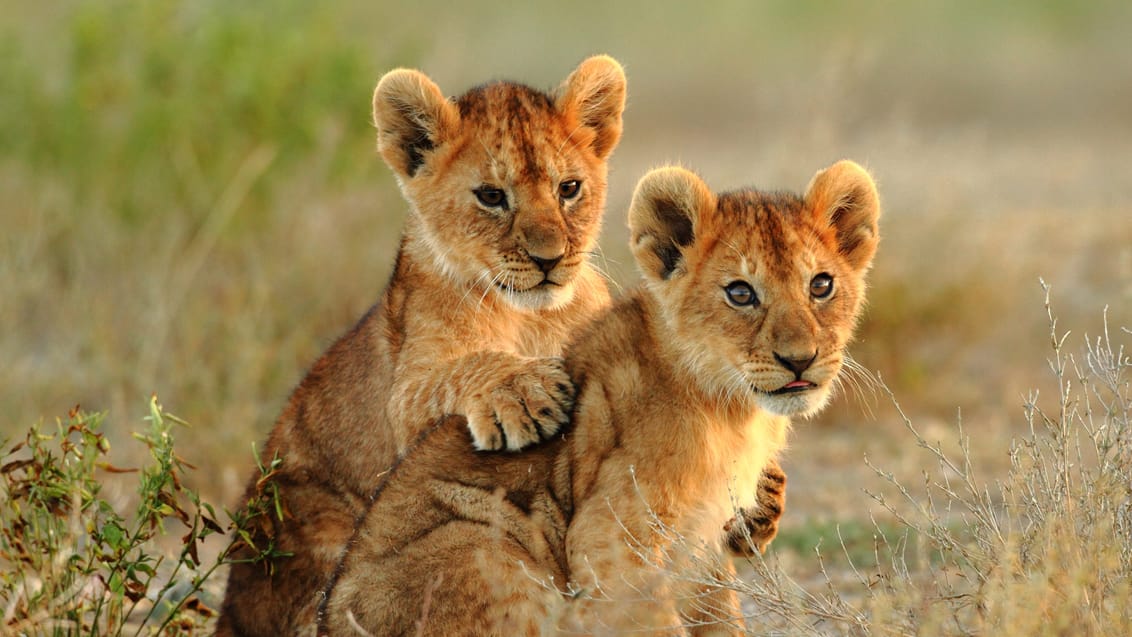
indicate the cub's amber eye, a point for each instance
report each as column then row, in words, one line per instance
column 569, row 189
column 491, row 197
column 741, row 294
column 821, row 286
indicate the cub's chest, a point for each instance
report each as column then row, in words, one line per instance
column 487, row 327
column 723, row 476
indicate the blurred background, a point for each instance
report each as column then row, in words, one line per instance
column 193, row 206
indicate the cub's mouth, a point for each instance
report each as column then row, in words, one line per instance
column 541, row 285
column 794, row 387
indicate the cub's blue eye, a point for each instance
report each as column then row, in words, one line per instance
column 740, row 293
column 569, row 189
column 821, row 286
column 491, row 197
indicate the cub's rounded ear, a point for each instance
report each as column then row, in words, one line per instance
column 595, row 94
column 667, row 209
column 844, row 198
column 412, row 117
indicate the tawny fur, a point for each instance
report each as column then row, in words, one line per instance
column 480, row 304
column 680, row 407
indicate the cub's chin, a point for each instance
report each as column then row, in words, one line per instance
column 802, row 402
column 544, row 296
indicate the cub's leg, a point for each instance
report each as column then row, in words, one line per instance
column 754, row 527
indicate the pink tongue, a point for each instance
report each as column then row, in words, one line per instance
column 797, row 383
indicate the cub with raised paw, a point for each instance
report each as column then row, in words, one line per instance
column 506, row 187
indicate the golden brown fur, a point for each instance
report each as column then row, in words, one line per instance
column 684, row 391
column 506, row 187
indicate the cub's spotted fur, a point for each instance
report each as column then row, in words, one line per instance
column 506, row 187
column 684, row 391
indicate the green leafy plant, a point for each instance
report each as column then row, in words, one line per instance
column 76, row 563
column 253, row 520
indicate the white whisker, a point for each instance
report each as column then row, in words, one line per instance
column 854, row 375
column 602, row 269
column 487, row 288
column 735, row 249
column 558, row 153
column 494, row 162
column 482, row 277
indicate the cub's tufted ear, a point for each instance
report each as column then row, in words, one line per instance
column 412, row 117
column 844, row 198
column 595, row 95
column 666, row 210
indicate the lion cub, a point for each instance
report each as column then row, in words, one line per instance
column 685, row 388
column 506, row 187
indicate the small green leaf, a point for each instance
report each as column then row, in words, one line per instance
column 113, row 535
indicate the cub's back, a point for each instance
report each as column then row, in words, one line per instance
column 445, row 510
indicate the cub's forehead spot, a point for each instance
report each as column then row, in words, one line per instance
column 808, row 255
column 518, row 127
column 734, row 258
column 764, row 235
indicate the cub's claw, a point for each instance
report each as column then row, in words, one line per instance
column 527, row 407
column 754, row 527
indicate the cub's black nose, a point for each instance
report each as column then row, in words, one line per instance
column 795, row 364
column 546, row 265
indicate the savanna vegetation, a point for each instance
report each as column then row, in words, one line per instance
column 192, row 208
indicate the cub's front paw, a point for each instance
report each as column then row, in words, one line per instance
column 527, row 406
column 754, row 527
